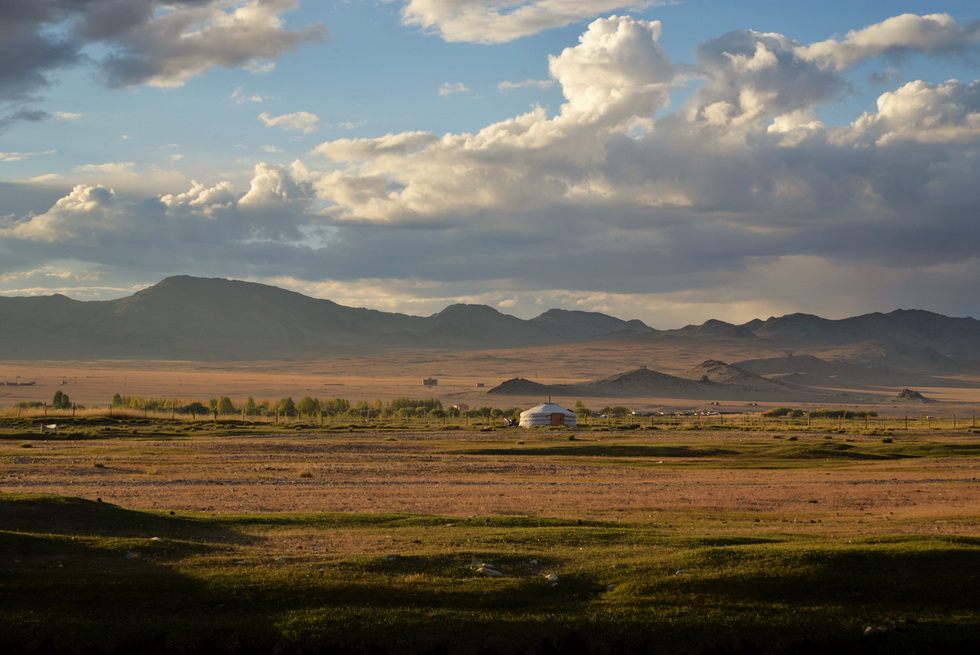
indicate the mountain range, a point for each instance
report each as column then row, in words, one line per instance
column 185, row 317
column 189, row 318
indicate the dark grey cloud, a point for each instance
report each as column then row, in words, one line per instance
column 22, row 115
column 145, row 45
column 749, row 75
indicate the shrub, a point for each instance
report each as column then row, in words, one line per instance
column 842, row 413
column 784, row 412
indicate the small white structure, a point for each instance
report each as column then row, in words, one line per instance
column 547, row 414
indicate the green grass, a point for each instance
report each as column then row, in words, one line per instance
column 752, row 452
column 78, row 576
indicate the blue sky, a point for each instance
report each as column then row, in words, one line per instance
column 672, row 162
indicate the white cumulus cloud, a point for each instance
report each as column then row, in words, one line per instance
column 498, row 21
column 933, row 34
column 614, row 80
column 923, row 112
column 450, row 88
column 301, row 121
column 539, row 84
column 181, row 41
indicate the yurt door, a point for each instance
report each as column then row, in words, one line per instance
column 557, row 419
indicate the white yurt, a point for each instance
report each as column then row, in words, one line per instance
column 547, row 414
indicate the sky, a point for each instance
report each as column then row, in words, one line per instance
column 671, row 161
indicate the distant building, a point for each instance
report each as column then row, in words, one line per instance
column 430, row 382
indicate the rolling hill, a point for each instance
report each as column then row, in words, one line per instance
column 712, row 380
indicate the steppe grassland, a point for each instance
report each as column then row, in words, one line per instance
column 639, row 540
column 635, row 475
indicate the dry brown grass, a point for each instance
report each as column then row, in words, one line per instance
column 437, row 474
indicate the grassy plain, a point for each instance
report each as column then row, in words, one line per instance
column 159, row 536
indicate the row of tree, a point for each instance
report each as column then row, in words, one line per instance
column 790, row 412
column 615, row 411
column 59, row 401
column 309, row 407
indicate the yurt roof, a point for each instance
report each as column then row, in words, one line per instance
column 547, row 408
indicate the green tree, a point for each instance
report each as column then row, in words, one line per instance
column 60, row 401
column 308, row 406
column 421, row 406
column 250, row 408
column 225, row 406
column 616, row 411
column 287, row 407
column 336, row 407
column 195, row 409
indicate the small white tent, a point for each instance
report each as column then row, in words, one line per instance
column 547, row 414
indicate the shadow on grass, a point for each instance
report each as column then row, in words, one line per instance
column 69, row 587
column 939, row 450
column 918, row 578
column 50, row 514
column 608, row 451
column 830, row 451
column 718, row 542
column 83, row 576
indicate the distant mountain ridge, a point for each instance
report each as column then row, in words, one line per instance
column 193, row 318
column 185, row 317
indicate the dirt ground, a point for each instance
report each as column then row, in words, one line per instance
column 435, row 473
